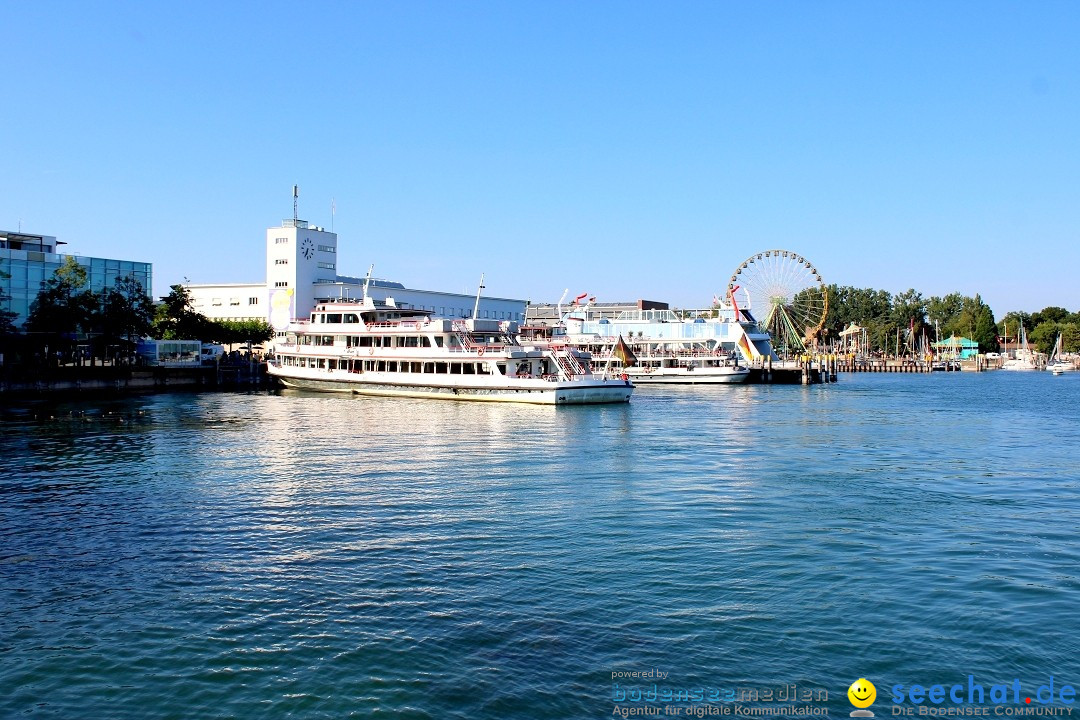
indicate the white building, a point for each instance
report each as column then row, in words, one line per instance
column 301, row 270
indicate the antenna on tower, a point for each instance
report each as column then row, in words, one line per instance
column 295, row 195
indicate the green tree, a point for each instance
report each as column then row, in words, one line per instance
column 7, row 316
column 1070, row 338
column 127, row 312
column 235, row 332
column 909, row 314
column 175, row 319
column 985, row 329
column 1045, row 335
column 866, row 307
column 1052, row 314
column 64, row 307
column 943, row 310
column 1011, row 324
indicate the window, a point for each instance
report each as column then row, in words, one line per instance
column 326, row 266
column 281, row 241
column 216, row 302
column 281, row 261
column 327, row 248
column 234, row 301
column 253, row 301
column 282, row 283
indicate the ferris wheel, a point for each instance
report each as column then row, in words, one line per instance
column 784, row 292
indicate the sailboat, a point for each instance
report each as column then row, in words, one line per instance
column 1025, row 359
column 1057, row 364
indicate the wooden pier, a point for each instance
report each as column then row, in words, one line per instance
column 807, row 370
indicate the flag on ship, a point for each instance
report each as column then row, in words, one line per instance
column 624, row 353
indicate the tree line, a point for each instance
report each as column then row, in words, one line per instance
column 884, row 314
column 66, row 314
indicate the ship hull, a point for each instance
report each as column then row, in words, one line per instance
column 681, row 376
column 537, row 392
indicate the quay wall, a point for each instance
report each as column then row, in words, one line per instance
column 124, row 380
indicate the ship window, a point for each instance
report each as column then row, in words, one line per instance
column 441, row 368
column 351, row 318
column 322, row 363
column 331, row 364
column 412, row 342
column 439, row 341
column 335, row 318
column 365, row 342
column 416, row 367
column 455, row 368
column 382, row 366
column 500, row 368
column 429, row 367
column 469, row 368
column 425, row 341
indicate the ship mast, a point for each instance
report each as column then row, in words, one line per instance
column 476, row 306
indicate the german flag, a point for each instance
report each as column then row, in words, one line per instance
column 624, row 353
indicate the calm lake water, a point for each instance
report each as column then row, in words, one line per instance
column 301, row 555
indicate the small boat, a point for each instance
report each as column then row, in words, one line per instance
column 1024, row 359
column 1057, row 364
column 382, row 349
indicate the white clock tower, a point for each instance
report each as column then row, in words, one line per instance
column 297, row 256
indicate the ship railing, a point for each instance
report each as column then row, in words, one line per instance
column 397, row 324
column 462, row 332
column 569, row 363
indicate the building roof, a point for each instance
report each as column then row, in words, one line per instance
column 957, row 342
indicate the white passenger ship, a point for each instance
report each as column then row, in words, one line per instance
column 381, row 349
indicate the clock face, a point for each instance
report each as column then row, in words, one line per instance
column 307, row 249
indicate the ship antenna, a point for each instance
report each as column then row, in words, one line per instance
column 367, row 281
column 476, row 307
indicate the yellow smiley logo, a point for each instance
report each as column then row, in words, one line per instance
column 862, row 693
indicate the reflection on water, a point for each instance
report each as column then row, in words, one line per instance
column 198, row 555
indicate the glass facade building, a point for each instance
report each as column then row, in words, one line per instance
column 27, row 261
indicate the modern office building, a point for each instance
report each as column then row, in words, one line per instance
column 302, row 269
column 28, row 260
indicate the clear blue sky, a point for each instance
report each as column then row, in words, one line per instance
column 627, row 149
